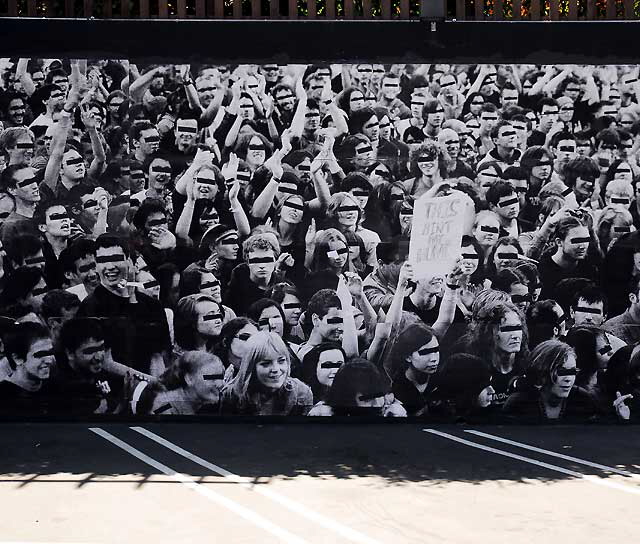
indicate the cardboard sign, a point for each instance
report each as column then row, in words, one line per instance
column 436, row 234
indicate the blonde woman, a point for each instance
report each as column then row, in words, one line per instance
column 263, row 385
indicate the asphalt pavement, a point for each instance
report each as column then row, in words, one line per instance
column 308, row 483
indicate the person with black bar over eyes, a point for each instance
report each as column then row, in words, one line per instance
column 261, row 269
column 582, row 175
column 192, row 385
column 505, row 152
column 551, row 393
column 54, row 223
column 486, row 231
column 25, row 286
column 360, row 389
column 155, row 241
column 17, row 144
column 327, row 321
column 27, row 390
column 564, row 148
column 537, row 161
column 85, row 383
column 319, row 368
column 506, row 253
column 66, row 167
column 130, row 316
column 414, row 360
column 181, row 145
column 78, row 264
column 504, row 202
column 22, row 184
column 25, row 250
column 570, row 258
column 427, row 165
column 548, row 111
column 589, row 307
column 498, row 332
column 612, row 223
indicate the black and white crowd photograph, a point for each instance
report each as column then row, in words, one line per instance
column 448, row 242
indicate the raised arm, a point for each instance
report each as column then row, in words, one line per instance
column 25, row 77
column 59, row 137
column 449, row 301
column 138, row 87
column 99, row 156
column 297, row 123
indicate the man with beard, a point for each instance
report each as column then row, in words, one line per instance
column 54, row 223
column 22, row 184
column 131, row 317
column 284, row 106
column 78, row 263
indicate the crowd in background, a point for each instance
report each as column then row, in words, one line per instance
column 234, row 240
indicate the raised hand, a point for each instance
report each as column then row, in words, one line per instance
column 619, row 405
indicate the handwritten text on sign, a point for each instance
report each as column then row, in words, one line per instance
column 436, row 234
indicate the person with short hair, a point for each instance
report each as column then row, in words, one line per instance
column 27, row 390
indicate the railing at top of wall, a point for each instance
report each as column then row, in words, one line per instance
column 533, row 10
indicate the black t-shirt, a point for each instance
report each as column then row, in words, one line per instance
column 551, row 274
column 16, row 401
column 133, row 331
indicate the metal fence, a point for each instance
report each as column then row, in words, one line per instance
column 534, row 10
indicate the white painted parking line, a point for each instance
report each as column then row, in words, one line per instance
column 562, row 470
column 242, row 511
column 576, row 460
column 294, row 506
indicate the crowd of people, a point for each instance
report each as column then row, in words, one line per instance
column 235, row 239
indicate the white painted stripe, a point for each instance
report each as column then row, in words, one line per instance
column 294, row 506
column 246, row 513
column 589, row 478
column 576, row 460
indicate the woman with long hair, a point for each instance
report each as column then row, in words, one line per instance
column 269, row 316
column 414, row 360
column 288, row 296
column 551, row 393
column 198, row 323
column 506, row 253
column 329, row 260
column 499, row 333
column 464, row 385
column 612, row 223
column 319, row 368
column 232, row 344
column 263, row 385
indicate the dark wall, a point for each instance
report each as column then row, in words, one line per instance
column 311, row 41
